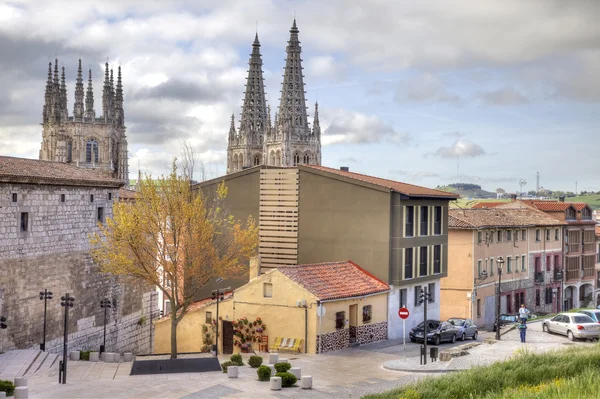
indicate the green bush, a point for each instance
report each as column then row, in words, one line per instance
column 255, row 361
column 287, row 379
column 237, row 360
column 84, row 355
column 283, row 367
column 7, row 386
column 264, row 373
column 227, row 364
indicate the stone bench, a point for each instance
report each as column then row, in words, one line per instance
column 306, row 382
column 2, row 394
column 127, row 356
column 296, row 371
column 94, row 356
column 75, row 355
column 275, row 383
column 20, row 381
column 273, row 358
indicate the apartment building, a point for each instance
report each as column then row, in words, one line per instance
column 530, row 243
column 311, row 214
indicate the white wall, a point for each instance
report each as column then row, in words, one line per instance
column 416, row 312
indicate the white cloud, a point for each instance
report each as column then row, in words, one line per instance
column 344, row 126
column 463, row 148
column 324, row 66
column 505, row 96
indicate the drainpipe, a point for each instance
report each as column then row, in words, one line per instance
column 320, row 337
column 305, row 329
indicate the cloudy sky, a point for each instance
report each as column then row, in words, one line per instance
column 407, row 90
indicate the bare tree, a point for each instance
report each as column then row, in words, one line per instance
column 190, row 160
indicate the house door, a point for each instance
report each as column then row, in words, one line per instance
column 353, row 322
column 227, row 337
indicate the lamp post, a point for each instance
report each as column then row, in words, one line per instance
column 424, row 298
column 67, row 302
column 500, row 262
column 45, row 296
column 558, row 276
column 3, row 325
column 218, row 295
column 104, row 304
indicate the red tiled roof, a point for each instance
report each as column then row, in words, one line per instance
column 487, row 204
column 33, row 171
column 598, row 230
column 403, row 188
column 499, row 217
column 127, row 195
column 334, row 280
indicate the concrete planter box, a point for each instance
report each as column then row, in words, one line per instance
column 276, row 383
column 75, row 355
column 127, row 357
column 296, row 371
column 232, row 371
column 273, row 358
column 2, row 394
column 94, row 356
column 20, row 381
column 306, row 382
column 21, row 393
column 109, row 357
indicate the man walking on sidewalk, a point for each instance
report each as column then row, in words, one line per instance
column 523, row 313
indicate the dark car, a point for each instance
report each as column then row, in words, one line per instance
column 466, row 327
column 437, row 332
column 506, row 319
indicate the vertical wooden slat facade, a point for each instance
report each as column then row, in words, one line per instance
column 278, row 217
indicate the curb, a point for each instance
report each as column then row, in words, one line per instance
column 423, row 371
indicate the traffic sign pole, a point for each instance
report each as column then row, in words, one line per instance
column 403, row 313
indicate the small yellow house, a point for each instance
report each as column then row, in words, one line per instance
column 285, row 300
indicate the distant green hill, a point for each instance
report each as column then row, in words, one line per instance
column 592, row 200
column 467, row 190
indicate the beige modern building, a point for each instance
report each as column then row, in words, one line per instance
column 529, row 241
column 312, row 214
column 285, row 300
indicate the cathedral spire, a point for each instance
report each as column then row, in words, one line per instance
column 118, row 111
column 292, row 106
column 316, row 124
column 254, row 110
column 106, row 96
column 56, row 93
column 48, row 96
column 64, row 112
column 78, row 104
column 89, row 100
column 232, row 132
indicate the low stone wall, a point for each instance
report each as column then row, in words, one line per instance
column 371, row 332
column 337, row 340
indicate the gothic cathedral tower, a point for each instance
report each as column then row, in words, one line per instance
column 290, row 141
column 83, row 139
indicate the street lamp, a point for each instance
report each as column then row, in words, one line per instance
column 104, row 304
column 67, row 302
column 45, row 296
column 218, row 295
column 424, row 298
column 3, row 323
column 500, row 262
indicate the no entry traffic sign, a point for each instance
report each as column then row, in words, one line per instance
column 403, row 313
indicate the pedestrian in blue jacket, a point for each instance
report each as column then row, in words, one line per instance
column 522, row 330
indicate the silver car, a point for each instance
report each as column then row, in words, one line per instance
column 573, row 325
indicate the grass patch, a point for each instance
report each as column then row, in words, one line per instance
column 553, row 372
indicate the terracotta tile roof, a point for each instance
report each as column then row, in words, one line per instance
column 334, row 280
column 499, row 217
column 33, row 171
column 126, row 194
column 487, row 204
column 598, row 230
column 403, row 188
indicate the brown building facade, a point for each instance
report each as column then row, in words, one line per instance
column 312, row 214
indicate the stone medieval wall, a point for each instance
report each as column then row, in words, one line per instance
column 53, row 255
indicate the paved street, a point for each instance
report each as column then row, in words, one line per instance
column 349, row 373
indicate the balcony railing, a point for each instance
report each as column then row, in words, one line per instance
column 573, row 275
column 539, row 277
column 588, row 273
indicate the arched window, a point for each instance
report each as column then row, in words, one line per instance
column 278, row 158
column 306, row 159
column 91, row 151
column 272, row 158
column 296, row 159
column 256, row 160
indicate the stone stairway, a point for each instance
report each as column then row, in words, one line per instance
column 17, row 362
column 42, row 364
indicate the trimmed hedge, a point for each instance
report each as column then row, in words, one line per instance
column 283, row 367
column 255, row 361
column 7, row 386
column 287, row 379
column 226, row 364
column 84, row 355
column 264, row 373
column 237, row 360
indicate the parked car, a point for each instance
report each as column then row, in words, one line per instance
column 466, row 327
column 437, row 332
column 593, row 313
column 506, row 319
column 573, row 325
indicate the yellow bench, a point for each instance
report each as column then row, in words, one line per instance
column 291, row 344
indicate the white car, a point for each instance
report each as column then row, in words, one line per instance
column 573, row 325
